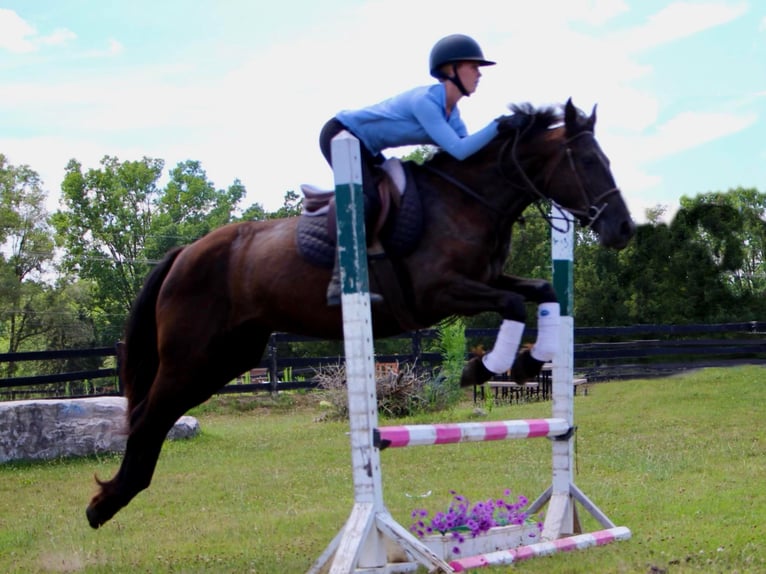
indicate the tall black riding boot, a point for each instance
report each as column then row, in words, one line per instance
column 334, row 287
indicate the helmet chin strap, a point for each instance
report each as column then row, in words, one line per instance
column 455, row 79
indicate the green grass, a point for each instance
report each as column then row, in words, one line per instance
column 681, row 461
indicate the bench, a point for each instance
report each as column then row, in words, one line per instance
column 581, row 382
column 506, row 390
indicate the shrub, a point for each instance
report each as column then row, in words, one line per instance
column 444, row 391
column 399, row 394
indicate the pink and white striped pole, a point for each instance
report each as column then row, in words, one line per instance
column 415, row 435
column 513, row 555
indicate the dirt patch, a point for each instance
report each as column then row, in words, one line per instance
column 63, row 562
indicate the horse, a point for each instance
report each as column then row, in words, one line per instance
column 205, row 312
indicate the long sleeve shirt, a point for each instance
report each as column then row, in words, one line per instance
column 416, row 117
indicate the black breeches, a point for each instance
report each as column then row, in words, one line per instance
column 369, row 180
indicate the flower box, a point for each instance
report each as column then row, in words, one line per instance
column 496, row 538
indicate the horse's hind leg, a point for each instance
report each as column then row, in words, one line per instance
column 181, row 383
column 150, row 423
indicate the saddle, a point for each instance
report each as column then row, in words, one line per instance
column 395, row 231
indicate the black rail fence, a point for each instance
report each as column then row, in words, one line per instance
column 600, row 354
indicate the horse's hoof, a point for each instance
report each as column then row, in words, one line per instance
column 475, row 373
column 525, row 367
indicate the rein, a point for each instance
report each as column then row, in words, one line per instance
column 460, row 185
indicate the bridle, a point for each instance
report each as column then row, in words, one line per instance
column 597, row 204
column 587, row 217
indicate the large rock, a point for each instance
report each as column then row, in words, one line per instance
column 52, row 428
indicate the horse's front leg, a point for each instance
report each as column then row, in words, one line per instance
column 507, row 296
column 530, row 360
column 466, row 297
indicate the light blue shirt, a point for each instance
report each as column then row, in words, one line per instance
column 416, row 117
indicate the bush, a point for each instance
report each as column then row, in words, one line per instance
column 399, row 393
column 445, row 390
column 406, row 390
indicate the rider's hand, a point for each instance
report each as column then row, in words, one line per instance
column 513, row 122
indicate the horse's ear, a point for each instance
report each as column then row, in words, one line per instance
column 570, row 114
column 573, row 118
column 591, row 123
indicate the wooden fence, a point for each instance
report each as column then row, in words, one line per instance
column 601, row 353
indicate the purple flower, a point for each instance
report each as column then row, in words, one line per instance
column 477, row 519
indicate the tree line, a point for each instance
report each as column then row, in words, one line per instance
column 68, row 278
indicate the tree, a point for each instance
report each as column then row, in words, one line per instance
column 188, row 208
column 26, row 250
column 731, row 227
column 736, row 236
column 105, row 226
column 601, row 293
column 24, row 231
column 117, row 222
column 705, row 266
column 292, row 205
column 253, row 213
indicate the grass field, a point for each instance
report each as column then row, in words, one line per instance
column 681, row 461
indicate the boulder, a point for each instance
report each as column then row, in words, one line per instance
column 53, row 428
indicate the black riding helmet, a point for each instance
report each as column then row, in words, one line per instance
column 454, row 49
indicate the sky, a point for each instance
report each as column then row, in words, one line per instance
column 245, row 87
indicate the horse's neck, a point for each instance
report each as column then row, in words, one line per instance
column 480, row 186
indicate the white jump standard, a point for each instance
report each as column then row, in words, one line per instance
column 362, row 545
column 372, row 541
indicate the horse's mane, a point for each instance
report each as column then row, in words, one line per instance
column 531, row 121
column 525, row 121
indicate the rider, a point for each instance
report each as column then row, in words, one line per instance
column 423, row 115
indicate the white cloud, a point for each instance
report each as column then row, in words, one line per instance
column 19, row 37
column 691, row 129
column 678, row 20
column 599, row 12
column 59, row 37
column 633, row 154
column 115, row 47
column 15, row 33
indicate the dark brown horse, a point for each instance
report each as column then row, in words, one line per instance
column 206, row 311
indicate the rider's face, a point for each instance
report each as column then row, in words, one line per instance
column 469, row 73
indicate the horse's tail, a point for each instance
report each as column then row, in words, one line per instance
column 138, row 355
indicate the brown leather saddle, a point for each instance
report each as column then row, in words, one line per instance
column 397, row 227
